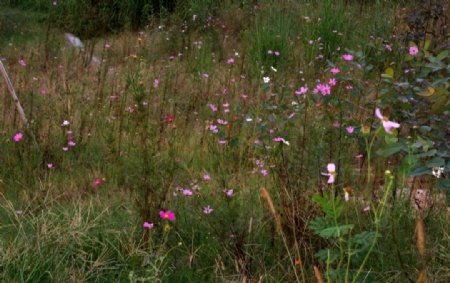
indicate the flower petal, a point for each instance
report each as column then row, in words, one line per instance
column 378, row 114
column 331, row 167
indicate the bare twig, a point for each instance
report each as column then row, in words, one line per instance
column 16, row 100
column 13, row 94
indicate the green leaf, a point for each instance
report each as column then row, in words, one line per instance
column 335, row 231
column 318, row 224
column 331, row 255
column 390, row 149
column 436, row 162
column 420, row 171
column 327, row 206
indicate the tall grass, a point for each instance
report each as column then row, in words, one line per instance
column 178, row 117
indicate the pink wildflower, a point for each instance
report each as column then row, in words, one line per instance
column 148, row 225
column 18, row 137
column 167, row 215
column 335, row 70
column 187, row 192
column 206, row 177
column 388, row 125
column 213, row 128
column 301, row 90
column 229, row 193
column 332, row 82
column 350, row 129
column 207, row 210
column 22, row 62
column 347, row 57
column 331, row 168
column 97, row 182
column 156, row 83
column 71, row 143
column 230, row 61
column 323, row 89
column 213, row 107
column 413, row 50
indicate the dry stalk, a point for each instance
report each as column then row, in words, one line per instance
column 13, row 94
column 420, row 236
column 16, row 100
column 318, row 275
column 266, row 196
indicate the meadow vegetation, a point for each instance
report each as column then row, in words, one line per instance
column 225, row 141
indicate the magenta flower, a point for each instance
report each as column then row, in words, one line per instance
column 388, row 125
column 71, row 143
column 97, row 182
column 229, row 193
column 280, row 139
column 347, row 57
column 301, row 90
column 230, row 61
column 167, row 215
column 335, row 70
column 332, row 82
column 331, row 168
column 413, row 50
column 206, row 177
column 49, row 165
column 350, row 129
column 323, row 89
column 187, row 192
column 207, row 210
column 18, row 137
column 148, row 225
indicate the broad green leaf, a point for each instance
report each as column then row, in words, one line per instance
column 420, row 171
column 335, row 231
column 390, row 149
column 330, row 210
column 436, row 162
